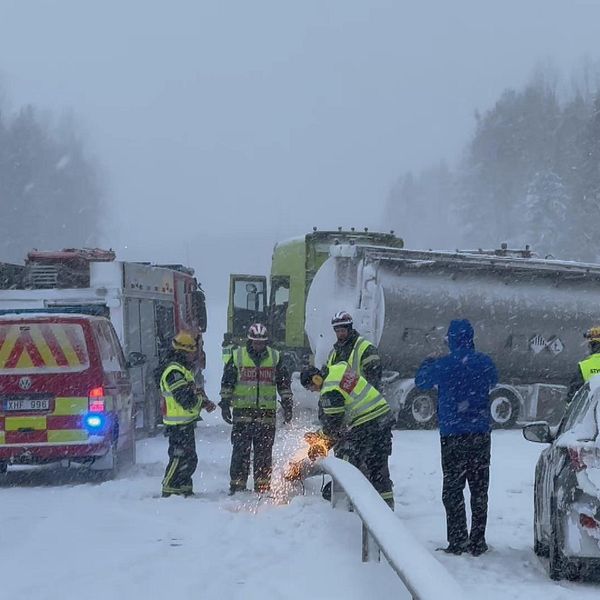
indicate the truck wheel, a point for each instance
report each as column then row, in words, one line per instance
column 3, row 467
column 419, row 410
column 504, row 409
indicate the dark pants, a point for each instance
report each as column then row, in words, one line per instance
column 183, row 460
column 466, row 458
column 244, row 437
column 368, row 448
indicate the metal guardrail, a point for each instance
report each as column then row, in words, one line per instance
column 382, row 532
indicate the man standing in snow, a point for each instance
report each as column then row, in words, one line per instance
column 358, row 352
column 252, row 377
column 588, row 367
column 464, row 379
column 182, row 402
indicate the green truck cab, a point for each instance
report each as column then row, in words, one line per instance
column 281, row 302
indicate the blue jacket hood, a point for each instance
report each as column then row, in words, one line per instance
column 460, row 335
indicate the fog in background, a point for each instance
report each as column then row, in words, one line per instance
column 222, row 127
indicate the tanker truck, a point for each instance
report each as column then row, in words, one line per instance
column 528, row 315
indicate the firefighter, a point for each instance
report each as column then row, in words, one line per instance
column 251, row 379
column 227, row 347
column 588, row 367
column 182, row 402
column 350, row 347
column 356, row 422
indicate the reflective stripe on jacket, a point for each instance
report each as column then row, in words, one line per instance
column 173, row 412
column 255, row 386
column 362, row 402
column 355, row 358
column 590, row 366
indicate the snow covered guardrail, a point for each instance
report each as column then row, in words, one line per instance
column 424, row 577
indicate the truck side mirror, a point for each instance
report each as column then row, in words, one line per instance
column 135, row 359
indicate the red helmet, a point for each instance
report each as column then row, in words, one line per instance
column 341, row 319
column 257, row 331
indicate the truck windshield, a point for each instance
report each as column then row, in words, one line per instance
column 36, row 348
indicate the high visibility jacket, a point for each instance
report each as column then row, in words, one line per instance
column 227, row 353
column 355, row 358
column 173, row 412
column 590, row 366
column 362, row 402
column 256, row 386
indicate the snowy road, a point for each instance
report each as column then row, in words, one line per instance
column 63, row 539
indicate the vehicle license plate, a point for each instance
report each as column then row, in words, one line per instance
column 26, row 404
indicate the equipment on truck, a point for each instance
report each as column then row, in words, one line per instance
column 147, row 304
column 293, row 266
column 527, row 313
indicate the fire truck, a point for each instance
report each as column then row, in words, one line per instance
column 146, row 303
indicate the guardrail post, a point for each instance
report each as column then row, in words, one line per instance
column 370, row 549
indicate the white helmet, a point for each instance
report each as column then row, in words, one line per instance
column 257, row 331
column 341, row 319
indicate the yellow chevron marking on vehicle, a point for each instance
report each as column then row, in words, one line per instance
column 16, row 423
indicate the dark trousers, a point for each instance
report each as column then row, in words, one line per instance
column 259, row 436
column 368, row 448
column 466, row 458
column 183, row 460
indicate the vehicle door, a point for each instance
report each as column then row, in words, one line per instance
column 553, row 457
column 116, row 377
column 247, row 303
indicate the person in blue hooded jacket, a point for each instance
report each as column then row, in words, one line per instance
column 463, row 378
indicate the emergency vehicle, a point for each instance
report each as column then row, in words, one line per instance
column 65, row 392
column 146, row 304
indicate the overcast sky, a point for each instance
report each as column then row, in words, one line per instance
column 216, row 117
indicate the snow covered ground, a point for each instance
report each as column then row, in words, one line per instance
column 65, row 538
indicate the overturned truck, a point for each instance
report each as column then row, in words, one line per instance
column 528, row 314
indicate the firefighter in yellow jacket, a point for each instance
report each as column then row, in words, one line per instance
column 182, row 401
column 589, row 366
column 356, row 422
column 252, row 377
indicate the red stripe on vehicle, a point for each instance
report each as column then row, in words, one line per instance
column 64, row 422
column 76, row 345
column 25, row 437
column 57, row 351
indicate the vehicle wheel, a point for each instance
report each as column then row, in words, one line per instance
column 107, row 467
column 504, row 409
column 539, row 547
column 128, row 454
column 3, row 469
column 419, row 410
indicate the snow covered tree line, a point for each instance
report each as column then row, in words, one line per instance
column 50, row 192
column 529, row 175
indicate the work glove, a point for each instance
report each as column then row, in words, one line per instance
column 226, row 412
column 208, row 405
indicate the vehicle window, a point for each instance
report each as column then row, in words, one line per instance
column 110, row 354
column 575, row 408
column 27, row 348
column 249, row 295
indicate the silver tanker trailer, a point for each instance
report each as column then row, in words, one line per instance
column 529, row 314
